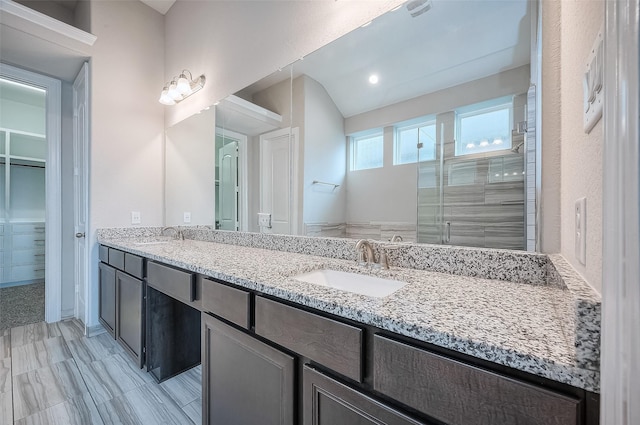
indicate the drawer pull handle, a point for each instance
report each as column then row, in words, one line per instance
column 39, row 255
column 38, row 270
column 39, row 240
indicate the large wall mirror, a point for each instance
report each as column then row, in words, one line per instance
column 414, row 126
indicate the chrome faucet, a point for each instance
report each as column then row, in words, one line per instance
column 396, row 238
column 177, row 233
column 365, row 252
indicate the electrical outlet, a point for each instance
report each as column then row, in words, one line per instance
column 264, row 220
column 135, row 217
column 581, row 230
column 187, row 217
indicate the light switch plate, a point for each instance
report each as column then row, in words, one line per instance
column 135, row 217
column 581, row 230
column 187, row 217
column 592, row 83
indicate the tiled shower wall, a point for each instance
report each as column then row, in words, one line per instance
column 481, row 199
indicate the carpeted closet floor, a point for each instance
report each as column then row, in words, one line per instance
column 21, row 305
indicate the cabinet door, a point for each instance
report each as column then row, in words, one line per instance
column 329, row 402
column 130, row 314
column 107, row 304
column 245, row 381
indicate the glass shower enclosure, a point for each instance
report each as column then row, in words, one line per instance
column 471, row 176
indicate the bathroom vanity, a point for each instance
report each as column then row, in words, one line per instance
column 513, row 341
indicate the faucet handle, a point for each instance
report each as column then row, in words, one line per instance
column 384, row 258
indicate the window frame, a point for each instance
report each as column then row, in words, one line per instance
column 396, row 140
column 353, row 151
column 479, row 109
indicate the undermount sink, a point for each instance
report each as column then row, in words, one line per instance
column 151, row 243
column 352, row 282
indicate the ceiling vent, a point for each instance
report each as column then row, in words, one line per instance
column 418, row 7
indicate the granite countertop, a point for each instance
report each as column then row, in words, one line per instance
column 533, row 328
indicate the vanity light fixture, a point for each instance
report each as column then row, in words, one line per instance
column 181, row 87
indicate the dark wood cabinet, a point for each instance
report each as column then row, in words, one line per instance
column 130, row 314
column 107, row 303
column 333, row 344
column 245, row 381
column 457, row 393
column 329, row 402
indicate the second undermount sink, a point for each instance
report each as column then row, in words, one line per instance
column 152, row 242
column 352, row 282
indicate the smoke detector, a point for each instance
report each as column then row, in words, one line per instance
column 418, row 7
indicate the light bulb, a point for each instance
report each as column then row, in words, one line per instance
column 484, row 143
column 165, row 99
column 173, row 91
column 470, row 146
column 183, row 86
column 497, row 141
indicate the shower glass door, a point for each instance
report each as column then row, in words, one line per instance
column 472, row 192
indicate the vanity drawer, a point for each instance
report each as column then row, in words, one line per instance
column 116, row 258
column 173, row 282
column 229, row 303
column 333, row 344
column 460, row 394
column 103, row 253
column 134, row 265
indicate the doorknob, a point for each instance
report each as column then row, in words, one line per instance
column 80, row 235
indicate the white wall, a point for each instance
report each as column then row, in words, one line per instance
column 126, row 152
column 502, row 84
column 190, row 170
column 235, row 43
column 387, row 194
column 325, row 156
column 581, row 159
column 551, row 129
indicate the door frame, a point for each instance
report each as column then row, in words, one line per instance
column 82, row 78
column 53, row 178
column 243, row 176
column 620, row 343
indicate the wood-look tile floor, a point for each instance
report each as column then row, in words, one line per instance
column 51, row 374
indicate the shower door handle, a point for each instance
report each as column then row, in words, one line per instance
column 447, row 232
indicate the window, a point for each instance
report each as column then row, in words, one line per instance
column 367, row 151
column 415, row 142
column 484, row 127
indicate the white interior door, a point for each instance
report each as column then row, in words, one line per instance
column 278, row 182
column 229, row 190
column 80, row 143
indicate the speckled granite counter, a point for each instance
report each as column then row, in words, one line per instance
column 551, row 330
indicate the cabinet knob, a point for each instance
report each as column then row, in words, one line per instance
column 80, row 235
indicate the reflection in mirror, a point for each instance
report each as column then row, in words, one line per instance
column 418, row 135
column 189, row 174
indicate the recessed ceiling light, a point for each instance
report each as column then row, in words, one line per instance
column 373, row 79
